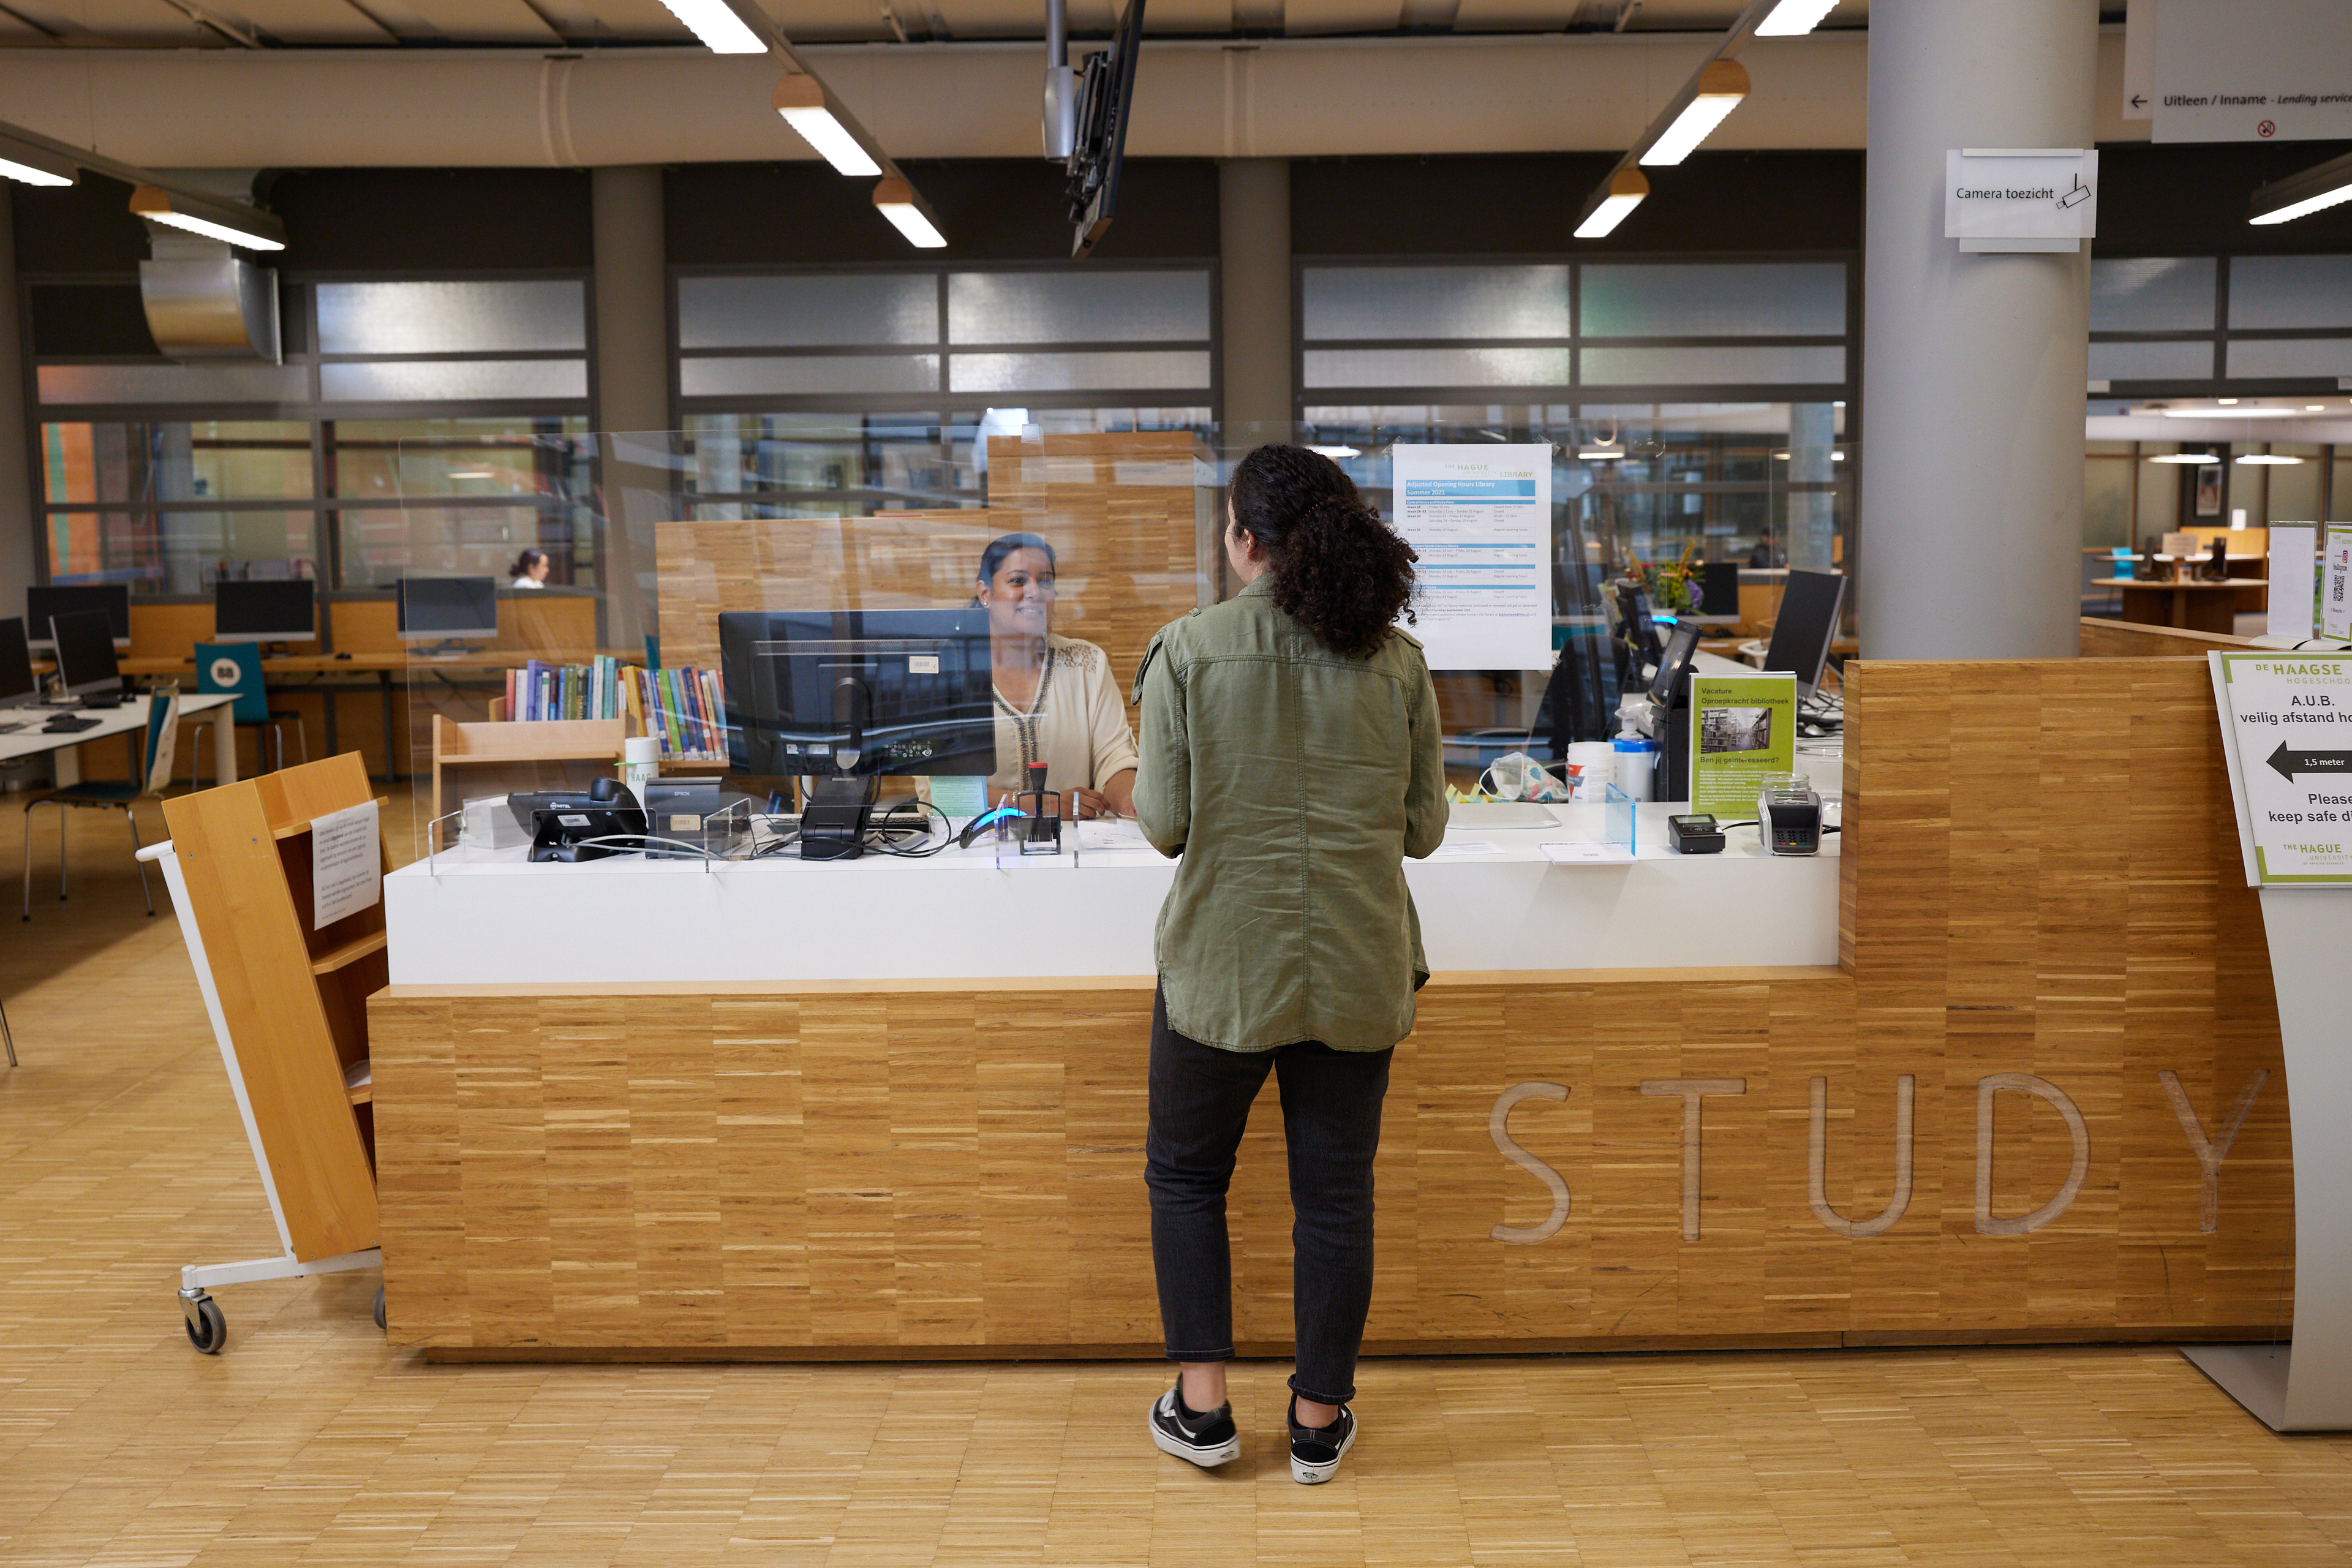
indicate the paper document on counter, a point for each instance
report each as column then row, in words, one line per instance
column 1112, row 833
column 346, row 864
column 1480, row 520
column 1588, row 854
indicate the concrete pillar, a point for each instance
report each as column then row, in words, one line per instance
column 1253, row 225
column 17, row 514
column 633, row 359
column 1973, row 365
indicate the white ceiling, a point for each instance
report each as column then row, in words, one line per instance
column 553, row 23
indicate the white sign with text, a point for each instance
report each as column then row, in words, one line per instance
column 2049, row 195
column 1480, row 520
column 2248, row 71
column 2286, row 723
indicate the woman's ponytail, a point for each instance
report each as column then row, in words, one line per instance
column 1338, row 569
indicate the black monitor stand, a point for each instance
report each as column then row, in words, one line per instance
column 834, row 819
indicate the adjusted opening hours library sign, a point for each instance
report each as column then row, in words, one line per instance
column 2287, row 726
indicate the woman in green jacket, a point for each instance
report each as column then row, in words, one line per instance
column 1290, row 753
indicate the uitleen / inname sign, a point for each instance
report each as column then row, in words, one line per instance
column 2287, row 726
column 346, row 864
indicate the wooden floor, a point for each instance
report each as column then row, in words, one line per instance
column 309, row 1442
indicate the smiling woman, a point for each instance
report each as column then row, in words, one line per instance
column 1057, row 701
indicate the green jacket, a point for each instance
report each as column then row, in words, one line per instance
column 1294, row 782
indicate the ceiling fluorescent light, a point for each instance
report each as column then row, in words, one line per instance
column 231, row 221
column 1337, row 453
column 2300, row 196
column 2269, row 460
column 1625, row 191
column 898, row 204
column 801, row 100
column 717, row 25
column 35, row 165
column 1600, row 454
column 2198, row 457
column 1721, row 87
column 2228, row 413
column 1794, row 19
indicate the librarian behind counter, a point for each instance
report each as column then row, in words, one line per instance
column 1057, row 701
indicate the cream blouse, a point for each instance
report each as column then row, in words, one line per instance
column 1078, row 726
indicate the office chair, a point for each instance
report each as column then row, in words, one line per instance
column 6, row 1038
column 234, row 669
column 163, row 730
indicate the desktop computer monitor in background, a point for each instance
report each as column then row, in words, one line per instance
column 266, row 612
column 85, row 643
column 1805, row 626
column 1718, row 592
column 18, row 685
column 907, row 691
column 50, row 600
column 437, row 609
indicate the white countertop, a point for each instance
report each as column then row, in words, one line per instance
column 1489, row 899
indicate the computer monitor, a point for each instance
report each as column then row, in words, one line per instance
column 1718, row 592
column 858, row 692
column 50, row 600
column 446, row 609
column 266, row 612
column 85, row 645
column 18, row 684
column 1674, row 663
column 1806, row 623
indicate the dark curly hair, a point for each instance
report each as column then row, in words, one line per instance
column 1338, row 570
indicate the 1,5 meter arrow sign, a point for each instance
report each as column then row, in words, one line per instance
column 2290, row 764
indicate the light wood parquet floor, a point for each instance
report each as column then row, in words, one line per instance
column 310, row 1442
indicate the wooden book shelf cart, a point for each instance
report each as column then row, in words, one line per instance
column 289, row 1008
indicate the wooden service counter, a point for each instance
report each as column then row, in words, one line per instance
column 1972, row 1080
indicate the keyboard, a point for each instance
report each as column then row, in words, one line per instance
column 67, row 724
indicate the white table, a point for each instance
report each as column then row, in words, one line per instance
column 1489, row 900
column 129, row 718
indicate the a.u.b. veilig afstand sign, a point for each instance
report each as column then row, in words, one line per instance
column 2286, row 725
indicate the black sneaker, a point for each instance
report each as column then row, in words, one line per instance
column 1207, row 1439
column 1315, row 1451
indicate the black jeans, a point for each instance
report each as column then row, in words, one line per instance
column 1331, row 1116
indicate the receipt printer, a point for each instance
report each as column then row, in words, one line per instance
column 1789, row 815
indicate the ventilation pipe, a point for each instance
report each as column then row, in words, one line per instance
column 206, row 302
column 1060, row 122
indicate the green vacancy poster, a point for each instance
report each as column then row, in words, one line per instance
column 1742, row 727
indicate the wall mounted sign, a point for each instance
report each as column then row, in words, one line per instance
column 2286, row 725
column 2021, row 198
column 1480, row 520
column 2242, row 70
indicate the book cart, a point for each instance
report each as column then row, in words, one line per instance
column 288, row 1002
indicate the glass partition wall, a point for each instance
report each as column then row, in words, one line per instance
column 797, row 512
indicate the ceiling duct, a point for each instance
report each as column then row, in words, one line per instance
column 206, row 302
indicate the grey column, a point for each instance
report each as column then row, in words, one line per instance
column 16, row 512
column 633, row 359
column 1973, row 365
column 1254, row 223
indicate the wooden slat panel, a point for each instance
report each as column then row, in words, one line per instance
column 2040, row 878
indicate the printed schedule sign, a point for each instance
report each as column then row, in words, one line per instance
column 2336, row 596
column 1480, row 520
column 2286, row 722
column 1742, row 727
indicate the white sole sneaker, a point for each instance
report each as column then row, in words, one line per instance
column 1208, row 1456
column 1308, row 1475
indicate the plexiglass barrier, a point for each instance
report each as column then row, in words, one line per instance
column 931, row 608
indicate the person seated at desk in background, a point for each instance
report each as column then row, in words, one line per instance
column 1057, row 701
column 530, row 569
